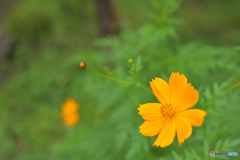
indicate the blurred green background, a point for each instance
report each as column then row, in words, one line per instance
column 200, row 39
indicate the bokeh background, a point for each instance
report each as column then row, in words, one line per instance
column 42, row 42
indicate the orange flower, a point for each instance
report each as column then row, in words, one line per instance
column 70, row 112
column 171, row 114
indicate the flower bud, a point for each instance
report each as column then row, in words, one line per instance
column 106, row 68
column 145, row 48
column 82, row 65
column 130, row 61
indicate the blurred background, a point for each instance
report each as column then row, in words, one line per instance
column 42, row 42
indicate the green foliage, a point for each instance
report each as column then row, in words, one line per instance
column 31, row 99
column 42, row 22
column 214, row 22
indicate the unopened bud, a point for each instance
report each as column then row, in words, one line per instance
column 145, row 48
column 130, row 61
column 106, row 68
column 82, row 65
column 132, row 68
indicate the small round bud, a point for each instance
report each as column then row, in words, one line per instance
column 145, row 48
column 106, row 68
column 130, row 61
column 132, row 68
column 82, row 65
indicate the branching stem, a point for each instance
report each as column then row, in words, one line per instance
column 119, row 80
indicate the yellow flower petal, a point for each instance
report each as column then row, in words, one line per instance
column 70, row 106
column 150, row 111
column 160, row 89
column 194, row 116
column 189, row 98
column 167, row 133
column 183, row 95
column 70, row 112
column 152, row 128
column 177, row 84
column 183, row 128
column 71, row 120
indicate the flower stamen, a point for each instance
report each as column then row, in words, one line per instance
column 167, row 110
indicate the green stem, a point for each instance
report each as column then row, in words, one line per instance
column 111, row 78
column 230, row 126
column 228, row 90
column 119, row 80
column 144, row 87
column 226, row 130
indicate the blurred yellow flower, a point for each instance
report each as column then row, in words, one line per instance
column 171, row 114
column 70, row 112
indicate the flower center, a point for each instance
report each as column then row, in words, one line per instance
column 167, row 110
